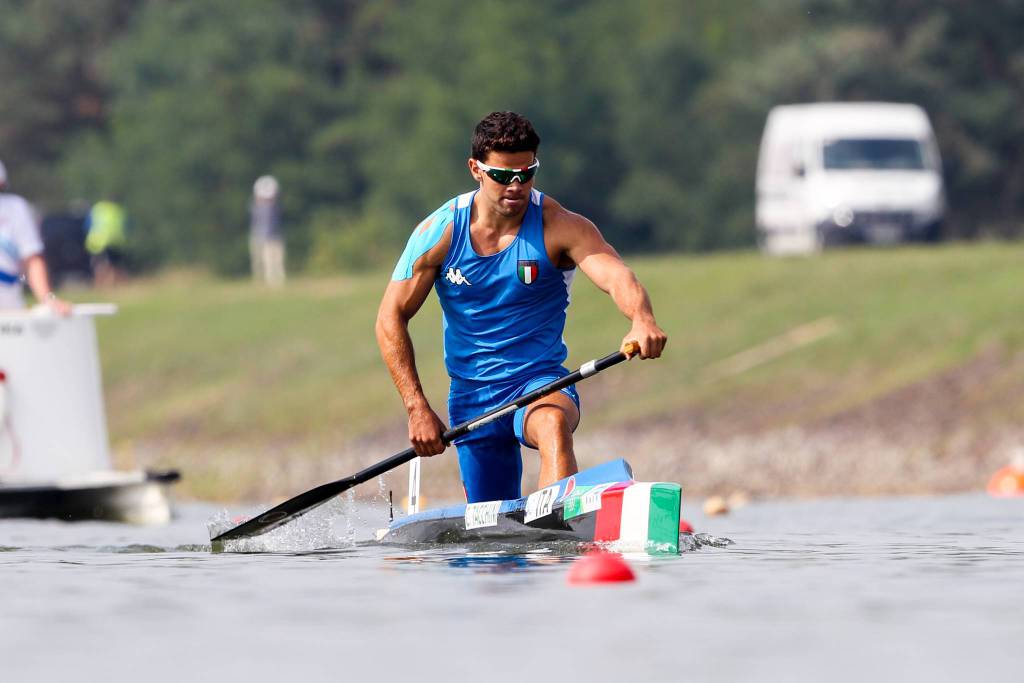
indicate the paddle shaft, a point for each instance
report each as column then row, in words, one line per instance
column 304, row 502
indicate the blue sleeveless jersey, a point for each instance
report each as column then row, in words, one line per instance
column 504, row 314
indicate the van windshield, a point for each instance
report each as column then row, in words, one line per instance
column 866, row 153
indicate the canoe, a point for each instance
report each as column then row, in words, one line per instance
column 602, row 504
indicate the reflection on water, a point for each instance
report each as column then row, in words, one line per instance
column 495, row 563
column 501, row 558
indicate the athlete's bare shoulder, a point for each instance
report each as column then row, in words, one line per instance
column 565, row 228
column 570, row 237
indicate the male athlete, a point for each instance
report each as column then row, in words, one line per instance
column 502, row 259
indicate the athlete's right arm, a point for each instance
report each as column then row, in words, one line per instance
column 402, row 300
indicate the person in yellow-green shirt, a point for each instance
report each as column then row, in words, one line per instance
column 105, row 240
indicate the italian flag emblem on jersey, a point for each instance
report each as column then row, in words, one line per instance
column 529, row 271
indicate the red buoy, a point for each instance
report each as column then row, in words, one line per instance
column 600, row 567
column 685, row 527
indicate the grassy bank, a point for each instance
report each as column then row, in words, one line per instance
column 911, row 353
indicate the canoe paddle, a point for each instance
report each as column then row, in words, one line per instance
column 304, row 502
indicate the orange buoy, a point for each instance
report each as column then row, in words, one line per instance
column 1007, row 482
column 600, row 567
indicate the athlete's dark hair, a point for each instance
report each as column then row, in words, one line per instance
column 504, row 131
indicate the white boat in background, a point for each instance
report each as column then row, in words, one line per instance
column 54, row 453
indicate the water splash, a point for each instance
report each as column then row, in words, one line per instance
column 219, row 523
column 318, row 529
column 691, row 542
column 351, row 516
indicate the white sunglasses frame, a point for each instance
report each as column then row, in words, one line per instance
column 485, row 168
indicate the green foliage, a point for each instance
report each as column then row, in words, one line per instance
column 53, row 86
column 650, row 112
column 342, row 241
column 207, row 100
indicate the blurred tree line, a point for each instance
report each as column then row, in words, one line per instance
column 650, row 112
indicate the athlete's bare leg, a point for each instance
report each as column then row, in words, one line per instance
column 548, row 426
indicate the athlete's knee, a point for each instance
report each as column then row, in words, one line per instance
column 549, row 419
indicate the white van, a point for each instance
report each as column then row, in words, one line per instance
column 839, row 173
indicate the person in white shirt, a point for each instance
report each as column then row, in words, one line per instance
column 21, row 254
column 266, row 243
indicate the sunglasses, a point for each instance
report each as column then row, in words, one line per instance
column 507, row 176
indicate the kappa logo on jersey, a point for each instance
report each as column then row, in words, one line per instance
column 456, row 277
column 528, row 272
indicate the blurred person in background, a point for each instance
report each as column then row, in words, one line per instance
column 266, row 245
column 104, row 240
column 21, row 254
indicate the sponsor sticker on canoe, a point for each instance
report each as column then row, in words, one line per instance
column 570, row 486
column 572, row 505
column 587, row 500
column 479, row 515
column 540, row 503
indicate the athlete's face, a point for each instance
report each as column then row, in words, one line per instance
column 508, row 200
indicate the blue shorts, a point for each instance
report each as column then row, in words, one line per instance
column 489, row 457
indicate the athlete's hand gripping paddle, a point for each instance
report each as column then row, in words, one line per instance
column 304, row 502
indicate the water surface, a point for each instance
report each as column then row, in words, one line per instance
column 892, row 589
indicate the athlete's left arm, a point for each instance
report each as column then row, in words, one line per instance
column 581, row 241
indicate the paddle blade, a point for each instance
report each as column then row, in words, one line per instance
column 286, row 511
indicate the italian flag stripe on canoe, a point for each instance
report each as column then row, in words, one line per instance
column 636, row 506
column 663, row 523
column 610, row 514
column 640, row 517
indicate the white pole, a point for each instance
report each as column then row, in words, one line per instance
column 414, row 486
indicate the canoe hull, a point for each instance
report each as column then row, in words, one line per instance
column 602, row 504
